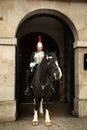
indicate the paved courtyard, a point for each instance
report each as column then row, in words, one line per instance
column 61, row 119
column 59, row 123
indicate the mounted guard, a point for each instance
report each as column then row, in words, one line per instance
column 35, row 59
column 37, row 56
column 43, row 70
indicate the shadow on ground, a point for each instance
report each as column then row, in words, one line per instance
column 55, row 109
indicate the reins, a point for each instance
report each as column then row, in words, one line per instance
column 37, row 77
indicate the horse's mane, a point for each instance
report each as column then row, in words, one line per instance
column 43, row 64
column 52, row 54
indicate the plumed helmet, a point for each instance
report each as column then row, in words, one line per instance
column 39, row 44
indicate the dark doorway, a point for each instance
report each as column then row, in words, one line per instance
column 56, row 36
column 27, row 44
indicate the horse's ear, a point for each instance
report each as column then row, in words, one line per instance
column 55, row 52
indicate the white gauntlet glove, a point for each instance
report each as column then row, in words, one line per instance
column 32, row 64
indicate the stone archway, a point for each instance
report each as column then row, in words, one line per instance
column 51, row 13
column 32, row 23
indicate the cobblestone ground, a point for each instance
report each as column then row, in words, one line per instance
column 61, row 121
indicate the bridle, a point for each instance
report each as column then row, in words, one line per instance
column 48, row 82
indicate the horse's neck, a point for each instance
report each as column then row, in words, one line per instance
column 43, row 72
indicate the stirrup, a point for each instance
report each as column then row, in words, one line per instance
column 27, row 91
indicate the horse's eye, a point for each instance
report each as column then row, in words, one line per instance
column 48, row 63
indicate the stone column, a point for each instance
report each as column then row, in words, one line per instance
column 7, row 79
column 80, row 101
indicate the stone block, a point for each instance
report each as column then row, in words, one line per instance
column 7, row 111
column 80, row 107
column 82, row 92
column 7, row 93
column 7, row 80
column 7, row 53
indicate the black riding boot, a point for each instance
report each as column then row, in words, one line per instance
column 28, row 90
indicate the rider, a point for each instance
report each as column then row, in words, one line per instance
column 37, row 56
column 35, row 59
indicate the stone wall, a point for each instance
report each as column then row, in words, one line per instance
column 12, row 13
column 7, row 79
column 80, row 80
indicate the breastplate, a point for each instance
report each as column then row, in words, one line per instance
column 38, row 57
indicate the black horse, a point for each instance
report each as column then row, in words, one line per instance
column 47, row 71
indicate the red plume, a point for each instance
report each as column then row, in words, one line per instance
column 39, row 39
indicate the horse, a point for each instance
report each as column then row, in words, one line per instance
column 47, row 71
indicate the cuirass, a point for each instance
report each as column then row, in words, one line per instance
column 38, row 56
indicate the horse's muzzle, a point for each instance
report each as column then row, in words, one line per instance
column 57, row 76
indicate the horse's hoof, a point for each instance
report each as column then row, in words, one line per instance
column 35, row 123
column 48, row 123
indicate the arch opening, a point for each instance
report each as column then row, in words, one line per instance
column 58, row 35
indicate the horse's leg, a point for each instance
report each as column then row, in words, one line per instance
column 48, row 121
column 41, row 107
column 35, row 117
